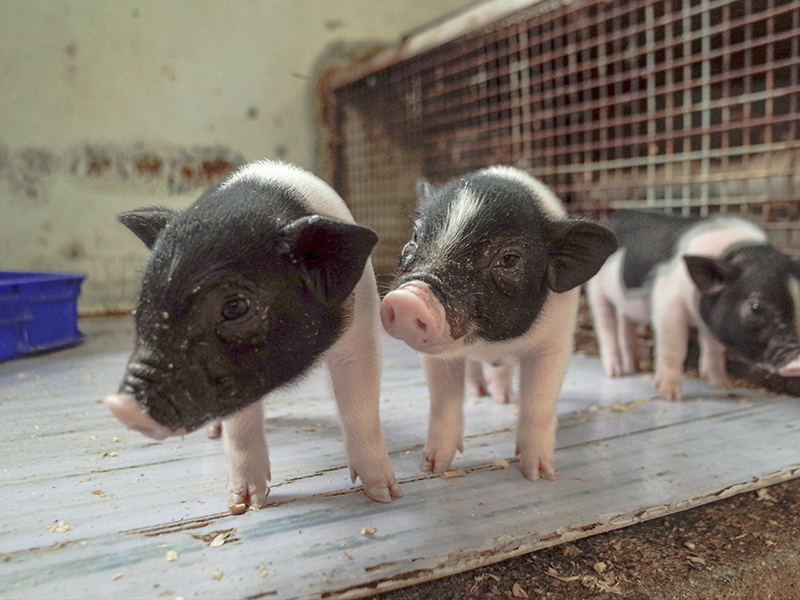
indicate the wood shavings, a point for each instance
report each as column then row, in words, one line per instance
column 238, row 509
column 553, row 572
column 116, row 577
column 629, row 405
column 263, row 571
column 217, row 574
column 518, row 592
column 499, row 463
column 570, row 550
column 485, row 576
column 690, row 545
column 216, row 539
column 698, row 560
column 763, row 495
column 458, row 473
column 59, row 527
column 600, row 566
column 607, row 583
column 172, row 556
column 367, row 531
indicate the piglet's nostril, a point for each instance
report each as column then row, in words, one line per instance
column 421, row 325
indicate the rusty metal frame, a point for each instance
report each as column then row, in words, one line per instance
column 689, row 106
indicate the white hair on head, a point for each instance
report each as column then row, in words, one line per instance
column 461, row 212
column 550, row 202
column 319, row 195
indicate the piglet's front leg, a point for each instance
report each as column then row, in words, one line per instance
column 355, row 374
column 541, row 377
column 248, row 459
column 446, row 422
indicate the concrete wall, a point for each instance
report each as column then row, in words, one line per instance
column 108, row 106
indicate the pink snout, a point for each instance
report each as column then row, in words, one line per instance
column 412, row 314
column 790, row 370
column 127, row 410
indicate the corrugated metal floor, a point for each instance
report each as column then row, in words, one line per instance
column 92, row 510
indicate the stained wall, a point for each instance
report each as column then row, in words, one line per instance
column 108, row 106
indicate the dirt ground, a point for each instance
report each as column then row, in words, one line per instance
column 742, row 548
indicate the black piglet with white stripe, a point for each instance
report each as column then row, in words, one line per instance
column 492, row 276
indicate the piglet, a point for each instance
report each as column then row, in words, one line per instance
column 260, row 279
column 718, row 274
column 492, row 274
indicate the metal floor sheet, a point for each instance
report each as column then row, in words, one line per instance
column 92, row 510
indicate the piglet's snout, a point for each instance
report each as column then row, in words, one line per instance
column 790, row 370
column 127, row 410
column 412, row 314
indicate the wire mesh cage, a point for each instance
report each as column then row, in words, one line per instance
column 686, row 106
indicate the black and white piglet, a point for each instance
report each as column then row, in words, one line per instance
column 718, row 274
column 492, row 274
column 262, row 277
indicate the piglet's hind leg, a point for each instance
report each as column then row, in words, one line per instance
column 604, row 319
column 499, row 378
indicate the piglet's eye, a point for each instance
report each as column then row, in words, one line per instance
column 508, row 261
column 235, row 308
column 757, row 308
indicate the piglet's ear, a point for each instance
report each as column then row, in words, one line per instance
column 147, row 223
column 331, row 254
column 576, row 251
column 710, row 275
column 424, row 190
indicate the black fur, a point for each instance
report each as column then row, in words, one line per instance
column 746, row 302
column 494, row 283
column 242, row 292
column 648, row 238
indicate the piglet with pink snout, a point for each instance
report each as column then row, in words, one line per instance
column 492, row 276
column 718, row 274
column 263, row 277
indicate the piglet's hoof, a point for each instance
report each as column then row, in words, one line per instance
column 214, row 430
column 383, row 493
column 535, row 464
column 238, row 502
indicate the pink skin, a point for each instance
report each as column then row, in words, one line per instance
column 494, row 378
column 790, row 370
column 412, row 314
column 127, row 410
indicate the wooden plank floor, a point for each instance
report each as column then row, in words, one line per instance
column 92, row 510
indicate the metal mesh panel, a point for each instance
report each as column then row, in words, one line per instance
column 688, row 106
